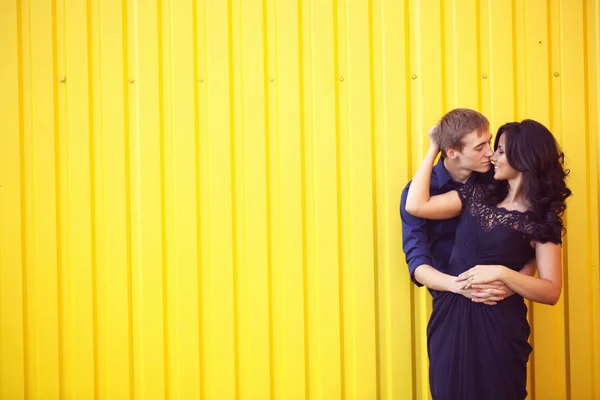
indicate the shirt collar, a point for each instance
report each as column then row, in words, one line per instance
column 441, row 173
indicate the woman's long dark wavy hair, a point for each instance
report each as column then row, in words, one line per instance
column 532, row 150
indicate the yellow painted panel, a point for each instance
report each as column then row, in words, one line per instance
column 12, row 231
column 288, row 197
column 113, row 204
column 428, row 86
column 221, row 349
column 148, row 225
column 44, row 223
column 501, row 72
column 392, row 122
column 592, row 14
column 357, row 201
column 78, row 219
column 578, row 263
column 181, row 177
column 326, row 337
column 199, row 198
column 461, row 38
column 254, row 290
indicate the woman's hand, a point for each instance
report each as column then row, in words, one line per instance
column 480, row 274
column 433, row 145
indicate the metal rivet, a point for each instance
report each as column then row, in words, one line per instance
column 201, row 79
column 341, row 79
column 556, row 74
column 414, row 76
column 271, row 79
column 131, row 80
column 484, row 76
column 62, row 79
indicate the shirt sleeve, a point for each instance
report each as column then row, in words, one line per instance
column 415, row 241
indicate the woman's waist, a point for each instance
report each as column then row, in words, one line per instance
column 449, row 298
column 457, row 265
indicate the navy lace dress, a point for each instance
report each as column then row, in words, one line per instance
column 478, row 351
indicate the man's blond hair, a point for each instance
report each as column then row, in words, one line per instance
column 455, row 124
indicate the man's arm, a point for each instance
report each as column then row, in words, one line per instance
column 434, row 279
column 489, row 294
column 415, row 244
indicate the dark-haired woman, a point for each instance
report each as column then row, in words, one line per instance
column 479, row 352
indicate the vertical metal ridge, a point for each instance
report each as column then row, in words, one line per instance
column 413, row 344
column 567, row 316
column 565, row 243
column 33, row 312
column 478, row 46
column 163, row 211
column 529, row 302
column 374, row 199
column 93, row 224
column 34, row 307
column 514, row 60
column 302, row 99
column 551, row 86
column 549, row 41
column 338, row 171
column 198, row 198
column 234, row 250
column 531, row 365
column 24, row 275
column 586, row 108
column 265, row 30
column 443, row 52
column 57, row 195
column 239, row 315
column 409, row 161
column 1, row 324
column 525, row 61
column 596, row 25
column 127, row 149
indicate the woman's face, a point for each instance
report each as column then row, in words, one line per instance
column 502, row 169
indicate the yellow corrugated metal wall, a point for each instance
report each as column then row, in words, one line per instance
column 199, row 198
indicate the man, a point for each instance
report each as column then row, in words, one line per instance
column 464, row 137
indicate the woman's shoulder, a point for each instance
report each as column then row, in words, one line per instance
column 472, row 192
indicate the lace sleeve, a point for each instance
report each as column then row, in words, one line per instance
column 556, row 238
column 469, row 193
column 547, row 233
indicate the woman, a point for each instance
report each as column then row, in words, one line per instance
column 476, row 351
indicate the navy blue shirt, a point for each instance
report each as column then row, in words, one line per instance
column 428, row 241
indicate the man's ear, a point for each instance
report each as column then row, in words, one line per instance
column 451, row 153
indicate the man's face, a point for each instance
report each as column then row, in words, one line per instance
column 476, row 152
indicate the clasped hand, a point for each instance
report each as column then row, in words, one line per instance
column 482, row 284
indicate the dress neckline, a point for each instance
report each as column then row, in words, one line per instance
column 506, row 210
